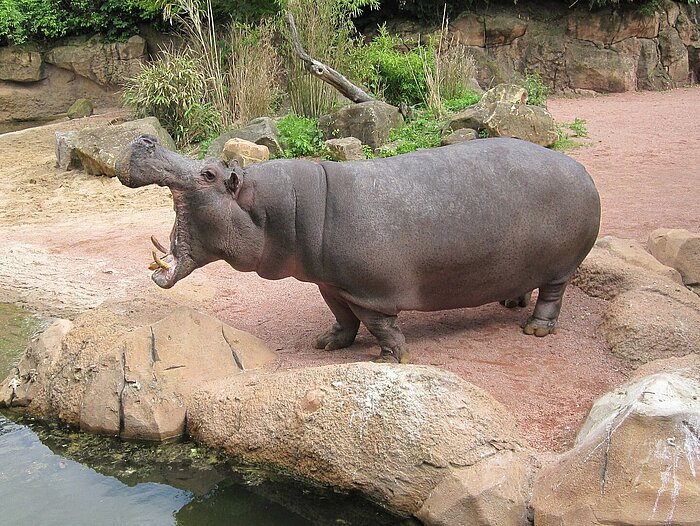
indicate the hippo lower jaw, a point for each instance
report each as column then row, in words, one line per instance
column 177, row 264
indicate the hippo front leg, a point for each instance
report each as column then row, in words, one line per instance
column 344, row 330
column 385, row 328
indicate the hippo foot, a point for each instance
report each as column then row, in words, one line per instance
column 335, row 338
column 520, row 301
column 539, row 327
column 395, row 355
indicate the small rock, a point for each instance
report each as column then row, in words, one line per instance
column 66, row 156
column 345, row 149
column 461, row 135
column 80, row 108
column 261, row 131
column 244, row 152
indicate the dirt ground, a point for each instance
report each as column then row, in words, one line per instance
column 70, row 241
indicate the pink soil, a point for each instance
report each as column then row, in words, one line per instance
column 71, row 241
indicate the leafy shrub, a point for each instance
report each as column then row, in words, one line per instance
column 301, row 137
column 388, row 72
column 173, row 90
column 22, row 20
column 537, row 90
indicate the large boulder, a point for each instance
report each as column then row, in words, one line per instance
column 674, row 55
column 608, row 28
column 20, row 64
column 106, row 63
column 262, row 131
column 680, row 249
column 635, row 459
column 392, row 432
column 100, row 375
column 651, row 314
column 503, row 112
column 98, row 148
column 370, row 122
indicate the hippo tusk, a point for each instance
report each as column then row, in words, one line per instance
column 159, row 263
column 157, row 244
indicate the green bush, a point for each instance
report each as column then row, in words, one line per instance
column 22, row 20
column 389, row 72
column 173, row 90
column 537, row 90
column 301, row 137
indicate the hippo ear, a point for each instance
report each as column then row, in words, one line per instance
column 234, row 180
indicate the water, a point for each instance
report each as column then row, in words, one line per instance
column 53, row 475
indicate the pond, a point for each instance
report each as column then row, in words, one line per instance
column 53, row 475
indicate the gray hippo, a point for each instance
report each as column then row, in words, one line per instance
column 458, row 226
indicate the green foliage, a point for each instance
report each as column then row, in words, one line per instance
column 422, row 131
column 469, row 98
column 301, row 137
column 565, row 141
column 173, row 90
column 537, row 90
column 388, row 72
column 22, row 20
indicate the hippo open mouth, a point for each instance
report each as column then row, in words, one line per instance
column 144, row 162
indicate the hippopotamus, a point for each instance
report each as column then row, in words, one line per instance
column 457, row 226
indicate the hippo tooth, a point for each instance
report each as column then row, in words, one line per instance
column 159, row 262
column 157, row 244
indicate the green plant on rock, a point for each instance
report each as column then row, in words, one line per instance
column 537, row 90
column 301, row 137
column 173, row 90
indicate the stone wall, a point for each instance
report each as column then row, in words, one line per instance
column 37, row 83
column 577, row 49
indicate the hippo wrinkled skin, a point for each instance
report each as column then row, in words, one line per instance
column 458, row 226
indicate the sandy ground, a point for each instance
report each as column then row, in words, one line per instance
column 70, row 241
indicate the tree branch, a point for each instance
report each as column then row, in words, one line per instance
column 323, row 72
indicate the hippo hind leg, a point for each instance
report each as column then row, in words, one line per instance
column 386, row 329
column 344, row 330
column 544, row 319
column 520, row 301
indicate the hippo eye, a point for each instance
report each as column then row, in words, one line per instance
column 209, row 176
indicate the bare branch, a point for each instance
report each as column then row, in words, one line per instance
column 323, row 72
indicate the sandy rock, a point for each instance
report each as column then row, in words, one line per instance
column 687, row 366
column 503, row 112
column 244, row 153
column 19, row 64
column 634, row 461
column 102, row 376
column 651, row 314
column 618, row 265
column 468, row 29
column 680, row 249
column 99, row 148
column 24, row 384
column 674, row 55
column 345, row 149
column 392, row 432
column 608, row 28
column 501, row 30
column 529, row 123
column 370, row 122
column 644, row 325
column 494, row 492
